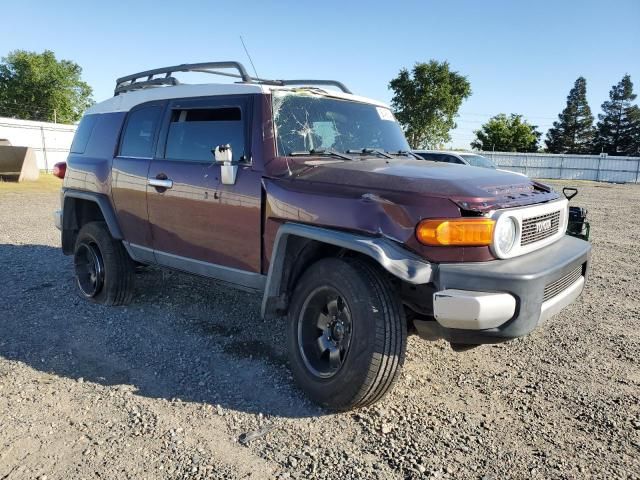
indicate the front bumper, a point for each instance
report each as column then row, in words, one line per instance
column 495, row 301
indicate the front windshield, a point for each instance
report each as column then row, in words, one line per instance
column 306, row 121
column 478, row 161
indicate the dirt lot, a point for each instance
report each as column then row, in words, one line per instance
column 165, row 387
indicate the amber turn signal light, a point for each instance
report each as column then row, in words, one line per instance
column 455, row 232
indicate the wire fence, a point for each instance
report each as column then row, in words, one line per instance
column 50, row 141
column 601, row 168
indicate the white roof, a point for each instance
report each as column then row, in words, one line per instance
column 126, row 101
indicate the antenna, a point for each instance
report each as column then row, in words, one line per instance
column 250, row 61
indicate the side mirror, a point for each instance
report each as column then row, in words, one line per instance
column 228, row 170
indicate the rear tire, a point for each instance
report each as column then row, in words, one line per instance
column 347, row 333
column 104, row 271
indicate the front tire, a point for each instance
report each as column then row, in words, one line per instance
column 347, row 333
column 104, row 271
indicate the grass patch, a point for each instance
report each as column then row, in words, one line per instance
column 47, row 183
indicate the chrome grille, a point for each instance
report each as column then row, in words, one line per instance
column 533, row 227
column 558, row 286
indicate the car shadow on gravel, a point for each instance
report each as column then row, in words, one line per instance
column 182, row 337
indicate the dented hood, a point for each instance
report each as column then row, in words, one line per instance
column 471, row 188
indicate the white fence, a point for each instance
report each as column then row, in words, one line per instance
column 601, row 168
column 50, row 141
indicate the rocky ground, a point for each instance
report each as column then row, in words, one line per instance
column 166, row 387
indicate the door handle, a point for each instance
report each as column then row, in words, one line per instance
column 161, row 182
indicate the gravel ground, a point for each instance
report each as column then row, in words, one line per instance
column 165, row 387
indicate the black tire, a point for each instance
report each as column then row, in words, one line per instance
column 104, row 271
column 370, row 314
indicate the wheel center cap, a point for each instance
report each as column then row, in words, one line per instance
column 338, row 331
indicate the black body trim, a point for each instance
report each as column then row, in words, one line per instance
column 524, row 277
column 69, row 220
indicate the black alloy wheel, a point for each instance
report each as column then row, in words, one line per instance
column 324, row 332
column 89, row 267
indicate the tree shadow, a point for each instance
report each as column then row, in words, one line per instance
column 182, row 337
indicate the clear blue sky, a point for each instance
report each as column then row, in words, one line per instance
column 520, row 57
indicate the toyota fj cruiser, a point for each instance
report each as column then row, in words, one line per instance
column 311, row 197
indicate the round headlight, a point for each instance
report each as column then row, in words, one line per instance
column 506, row 234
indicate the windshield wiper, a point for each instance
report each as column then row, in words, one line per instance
column 405, row 153
column 322, row 151
column 370, row 151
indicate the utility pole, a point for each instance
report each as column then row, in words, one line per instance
column 44, row 149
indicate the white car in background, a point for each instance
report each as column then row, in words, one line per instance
column 459, row 158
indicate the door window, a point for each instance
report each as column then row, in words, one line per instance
column 137, row 140
column 195, row 133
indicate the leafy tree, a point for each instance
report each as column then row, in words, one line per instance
column 504, row 133
column 426, row 101
column 35, row 85
column 634, row 132
column 618, row 126
column 573, row 132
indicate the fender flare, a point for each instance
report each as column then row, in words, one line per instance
column 389, row 254
column 69, row 221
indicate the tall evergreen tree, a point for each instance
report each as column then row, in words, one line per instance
column 573, row 132
column 634, row 132
column 617, row 127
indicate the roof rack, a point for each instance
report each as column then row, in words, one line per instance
column 134, row 82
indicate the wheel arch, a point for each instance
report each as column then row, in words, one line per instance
column 297, row 245
column 79, row 208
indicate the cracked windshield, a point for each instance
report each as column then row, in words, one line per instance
column 307, row 122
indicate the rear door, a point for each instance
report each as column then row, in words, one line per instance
column 194, row 224
column 129, row 176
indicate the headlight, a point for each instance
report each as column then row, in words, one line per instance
column 506, row 234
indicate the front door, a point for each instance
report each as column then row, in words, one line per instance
column 192, row 224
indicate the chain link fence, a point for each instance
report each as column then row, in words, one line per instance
column 601, row 168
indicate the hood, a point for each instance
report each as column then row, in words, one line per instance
column 471, row 188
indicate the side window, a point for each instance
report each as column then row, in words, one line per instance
column 429, row 156
column 195, row 133
column 83, row 133
column 137, row 140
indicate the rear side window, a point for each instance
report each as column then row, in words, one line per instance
column 83, row 133
column 195, row 133
column 429, row 156
column 452, row 159
column 137, row 140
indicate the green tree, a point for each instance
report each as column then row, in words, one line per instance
column 504, row 133
column 634, row 131
column 573, row 132
column 618, row 129
column 36, row 86
column 426, row 101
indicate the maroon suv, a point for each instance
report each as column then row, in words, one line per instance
column 311, row 197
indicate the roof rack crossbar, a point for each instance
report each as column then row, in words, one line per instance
column 130, row 82
column 146, row 83
column 332, row 83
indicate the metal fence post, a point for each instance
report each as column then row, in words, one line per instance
column 561, row 166
column 638, row 170
column 44, row 149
